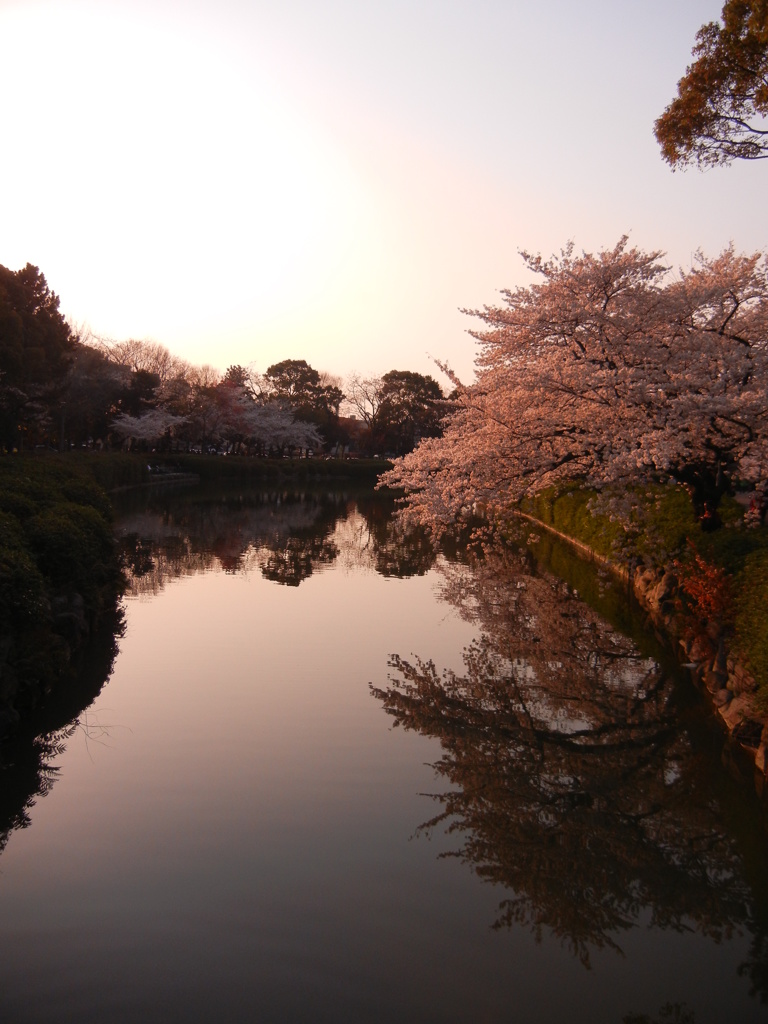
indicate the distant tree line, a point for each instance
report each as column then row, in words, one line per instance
column 62, row 387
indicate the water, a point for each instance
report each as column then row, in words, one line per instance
column 334, row 776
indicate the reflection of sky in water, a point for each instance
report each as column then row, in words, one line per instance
column 230, row 834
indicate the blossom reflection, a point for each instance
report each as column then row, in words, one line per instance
column 575, row 782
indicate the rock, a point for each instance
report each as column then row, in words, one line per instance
column 721, row 660
column 701, row 649
column 645, row 579
column 735, row 712
column 741, row 681
column 711, row 680
column 722, row 697
column 667, row 586
column 748, row 733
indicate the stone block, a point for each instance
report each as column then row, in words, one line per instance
column 734, row 712
column 701, row 649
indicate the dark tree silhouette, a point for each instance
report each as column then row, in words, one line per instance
column 574, row 785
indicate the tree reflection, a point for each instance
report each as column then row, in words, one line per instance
column 285, row 535
column 670, row 1013
column 400, row 550
column 27, row 759
column 574, row 783
column 297, row 558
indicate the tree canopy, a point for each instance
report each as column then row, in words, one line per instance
column 398, row 409
column 611, row 371
column 310, row 395
column 721, row 110
column 410, row 409
column 35, row 340
column 36, row 348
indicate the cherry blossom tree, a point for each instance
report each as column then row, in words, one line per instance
column 149, row 427
column 612, row 371
column 265, row 425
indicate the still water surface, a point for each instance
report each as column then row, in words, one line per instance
column 333, row 776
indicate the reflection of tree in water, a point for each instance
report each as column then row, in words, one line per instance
column 575, row 785
column 27, row 767
column 285, row 535
column 297, row 558
column 404, row 551
column 670, row 1013
column 399, row 550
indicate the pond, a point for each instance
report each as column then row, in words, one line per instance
column 325, row 773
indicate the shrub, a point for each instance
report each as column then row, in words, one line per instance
column 72, row 544
column 707, row 587
column 57, row 552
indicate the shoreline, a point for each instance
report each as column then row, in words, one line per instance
column 712, row 668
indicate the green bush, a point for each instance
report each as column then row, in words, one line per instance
column 16, row 505
column 59, row 569
column 254, row 469
column 664, row 521
column 22, row 589
column 72, row 544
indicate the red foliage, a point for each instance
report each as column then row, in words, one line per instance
column 708, row 588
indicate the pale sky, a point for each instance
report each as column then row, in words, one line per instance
column 247, row 181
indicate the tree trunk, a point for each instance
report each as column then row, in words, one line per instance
column 706, row 486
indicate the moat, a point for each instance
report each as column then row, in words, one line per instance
column 325, row 773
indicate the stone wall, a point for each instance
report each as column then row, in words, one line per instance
column 703, row 650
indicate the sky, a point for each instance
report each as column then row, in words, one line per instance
column 334, row 180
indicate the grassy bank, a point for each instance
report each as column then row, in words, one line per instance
column 255, row 470
column 114, row 470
